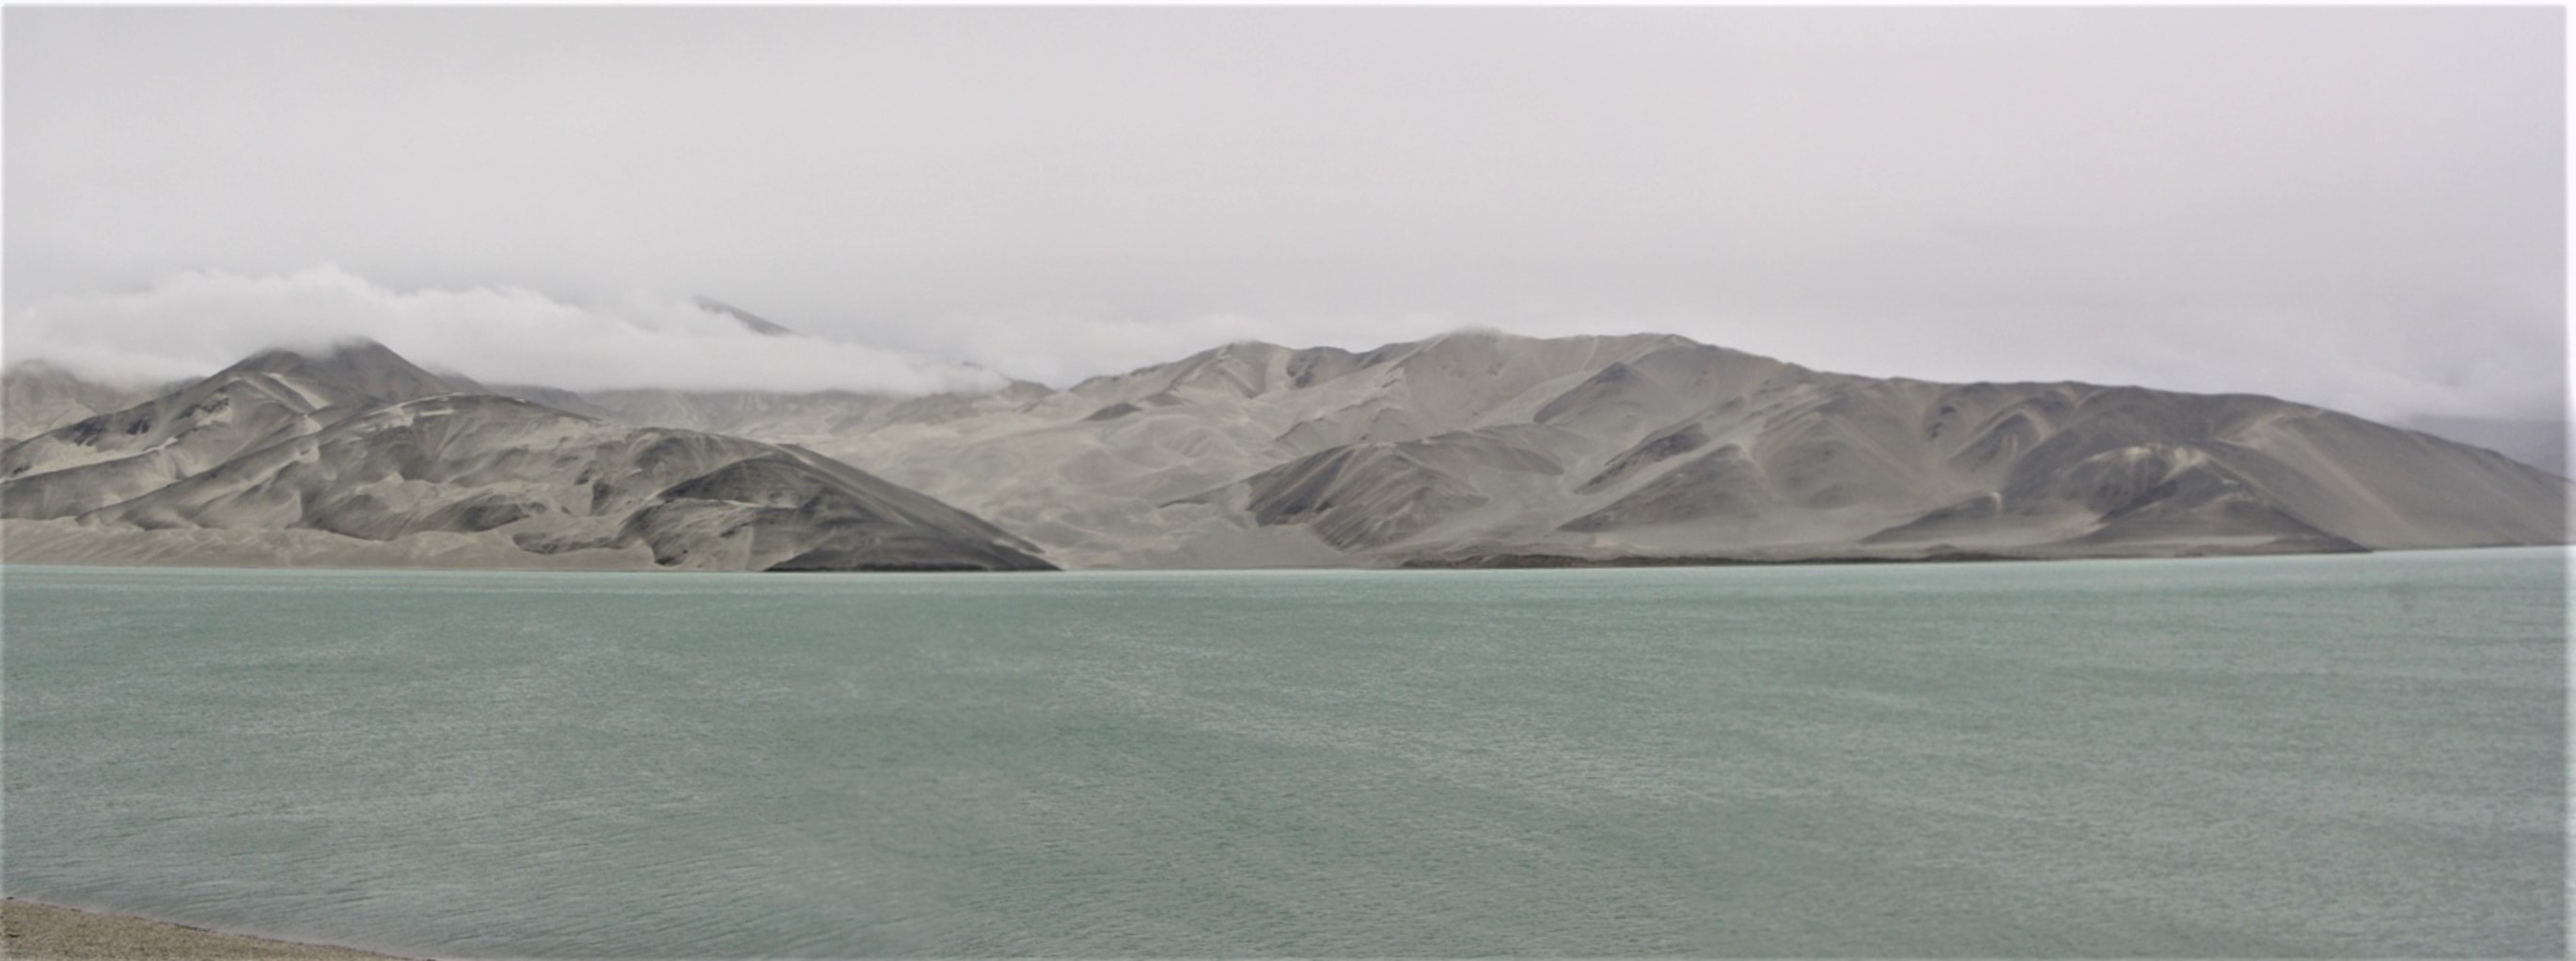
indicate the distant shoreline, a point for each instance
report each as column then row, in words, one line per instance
column 1501, row 560
column 36, row 930
column 1520, row 561
column 1517, row 560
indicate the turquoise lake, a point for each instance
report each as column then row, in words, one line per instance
column 2317, row 756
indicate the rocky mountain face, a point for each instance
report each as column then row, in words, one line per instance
column 36, row 397
column 361, row 457
column 2540, row 443
column 1488, row 448
column 750, row 321
column 1467, row 449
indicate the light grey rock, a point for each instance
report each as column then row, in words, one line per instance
column 362, row 446
column 1652, row 446
column 1469, row 448
column 36, row 396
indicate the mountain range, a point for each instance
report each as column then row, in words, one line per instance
column 1469, row 449
column 358, row 457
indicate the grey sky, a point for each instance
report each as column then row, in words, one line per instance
column 2358, row 207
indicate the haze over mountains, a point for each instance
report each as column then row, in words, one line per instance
column 1472, row 448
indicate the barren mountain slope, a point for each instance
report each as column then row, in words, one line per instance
column 115, row 456
column 1478, row 445
column 36, row 396
column 1467, row 448
column 362, row 447
column 1111, row 471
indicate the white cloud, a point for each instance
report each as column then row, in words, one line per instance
column 191, row 324
column 196, row 323
column 1062, row 348
column 2362, row 208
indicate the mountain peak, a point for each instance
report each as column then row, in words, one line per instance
column 359, row 367
column 750, row 321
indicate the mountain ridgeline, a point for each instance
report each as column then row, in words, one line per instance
column 360, row 457
column 1470, row 449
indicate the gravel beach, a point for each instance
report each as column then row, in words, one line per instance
column 31, row 930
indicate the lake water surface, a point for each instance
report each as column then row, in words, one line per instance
column 2355, row 756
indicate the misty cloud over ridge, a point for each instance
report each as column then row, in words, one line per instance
column 2361, row 208
column 193, row 324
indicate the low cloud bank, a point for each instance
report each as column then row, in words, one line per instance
column 194, row 324
column 2378, row 362
column 1062, row 348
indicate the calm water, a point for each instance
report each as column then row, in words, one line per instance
column 2278, row 757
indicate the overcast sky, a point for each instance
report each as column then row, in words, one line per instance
column 2358, row 207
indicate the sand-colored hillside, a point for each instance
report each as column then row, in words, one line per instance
column 359, row 458
column 1465, row 446
column 1607, row 447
